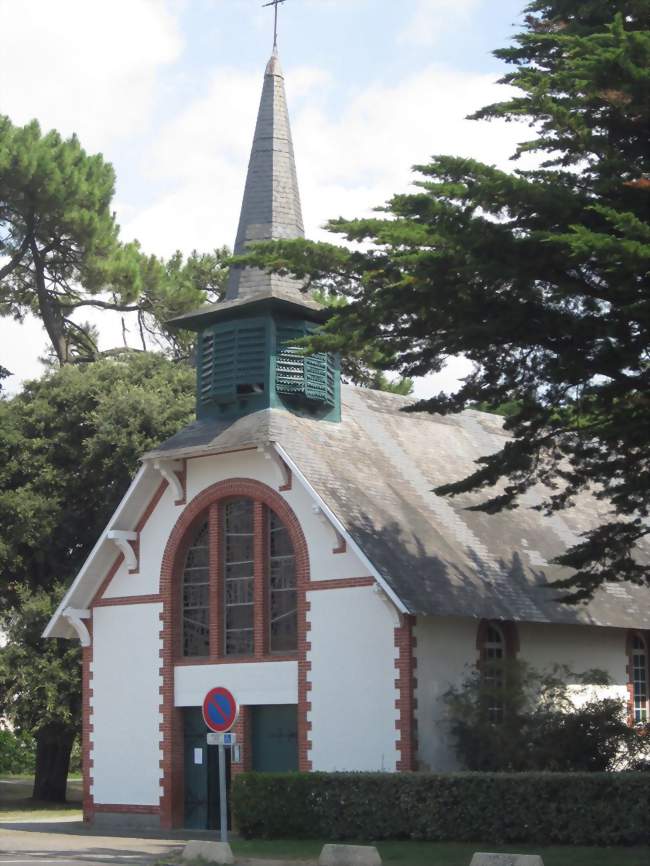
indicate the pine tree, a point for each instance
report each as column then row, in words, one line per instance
column 539, row 276
column 60, row 250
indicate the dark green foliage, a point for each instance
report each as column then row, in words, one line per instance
column 547, row 724
column 17, row 753
column 536, row 808
column 70, row 444
column 540, row 277
column 60, row 247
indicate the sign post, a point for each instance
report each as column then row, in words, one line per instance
column 220, row 711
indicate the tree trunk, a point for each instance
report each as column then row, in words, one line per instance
column 50, row 309
column 53, row 747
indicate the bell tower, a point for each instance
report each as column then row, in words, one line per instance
column 247, row 359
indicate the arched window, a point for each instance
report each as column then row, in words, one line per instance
column 196, row 596
column 492, row 666
column 639, row 678
column 239, row 590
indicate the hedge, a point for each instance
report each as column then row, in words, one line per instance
column 539, row 808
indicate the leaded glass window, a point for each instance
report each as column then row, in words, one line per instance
column 493, row 653
column 196, row 596
column 283, row 596
column 640, row 679
column 239, row 577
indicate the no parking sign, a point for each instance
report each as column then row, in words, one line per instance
column 220, row 710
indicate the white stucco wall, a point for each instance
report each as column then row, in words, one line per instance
column 352, row 679
column 446, row 651
column 125, row 704
column 205, row 471
column 250, row 683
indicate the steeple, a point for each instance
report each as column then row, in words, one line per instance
column 247, row 358
column 271, row 206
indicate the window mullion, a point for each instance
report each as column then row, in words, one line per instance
column 259, row 589
column 216, row 587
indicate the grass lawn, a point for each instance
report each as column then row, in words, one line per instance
column 16, row 803
column 456, row 854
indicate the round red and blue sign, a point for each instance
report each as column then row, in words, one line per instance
column 220, row 710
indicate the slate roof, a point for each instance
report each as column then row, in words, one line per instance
column 376, row 471
column 271, row 207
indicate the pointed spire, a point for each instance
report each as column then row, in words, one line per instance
column 271, row 206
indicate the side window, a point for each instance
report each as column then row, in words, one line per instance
column 639, row 678
column 196, row 596
column 282, row 593
column 492, row 667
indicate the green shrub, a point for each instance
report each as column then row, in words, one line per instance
column 543, row 722
column 17, row 753
column 535, row 808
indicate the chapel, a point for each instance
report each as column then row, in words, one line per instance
column 287, row 545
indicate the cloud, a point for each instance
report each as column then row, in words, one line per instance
column 85, row 67
column 354, row 145
column 349, row 159
column 431, row 18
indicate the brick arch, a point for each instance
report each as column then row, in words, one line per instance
column 171, row 727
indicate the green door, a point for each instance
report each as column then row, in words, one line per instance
column 275, row 738
column 201, row 764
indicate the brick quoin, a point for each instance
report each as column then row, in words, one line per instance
column 405, row 702
column 171, row 727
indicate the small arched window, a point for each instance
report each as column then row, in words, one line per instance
column 196, row 595
column 492, row 668
column 639, row 678
column 239, row 584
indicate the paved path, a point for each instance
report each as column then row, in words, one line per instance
column 51, row 844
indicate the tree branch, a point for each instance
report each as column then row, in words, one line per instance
column 16, row 258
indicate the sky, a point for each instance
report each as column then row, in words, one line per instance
column 168, row 90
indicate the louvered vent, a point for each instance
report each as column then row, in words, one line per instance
column 232, row 362
column 309, row 376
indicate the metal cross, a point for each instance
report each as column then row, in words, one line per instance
column 275, row 4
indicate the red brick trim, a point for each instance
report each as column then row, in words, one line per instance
column 127, row 599
column 151, row 507
column 629, row 670
column 86, row 726
column 171, row 802
column 405, row 701
column 343, row 583
column 242, row 729
column 103, row 586
column 125, row 809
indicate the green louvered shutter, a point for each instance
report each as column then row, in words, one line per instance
column 225, row 352
column 232, row 360
column 250, row 364
column 205, row 365
column 290, row 363
column 310, row 376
